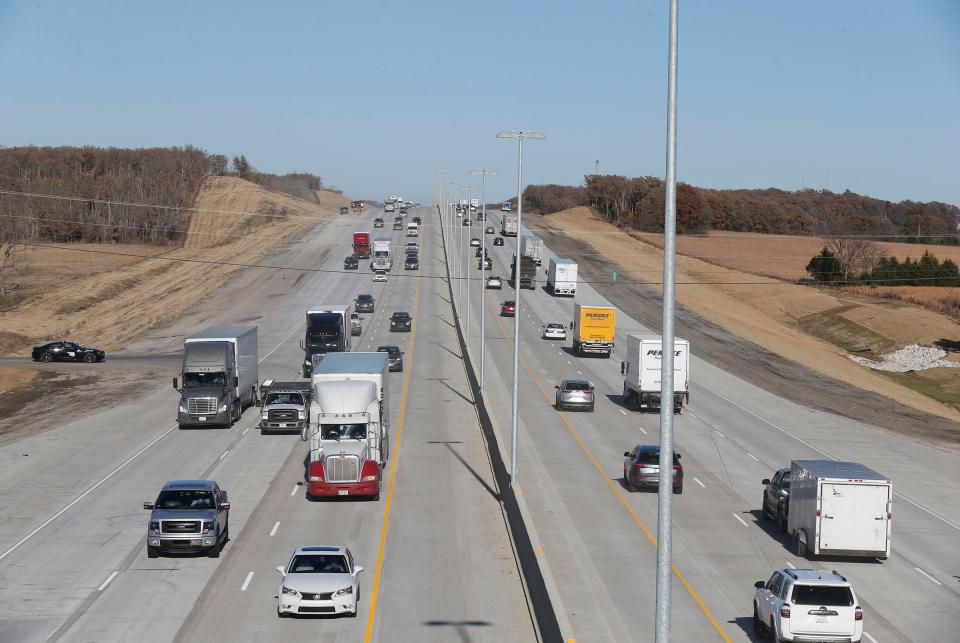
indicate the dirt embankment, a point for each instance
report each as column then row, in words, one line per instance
column 791, row 339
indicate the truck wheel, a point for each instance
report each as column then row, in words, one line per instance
column 781, row 520
column 46, row 358
column 757, row 623
column 376, row 496
column 678, row 488
column 214, row 552
column 152, row 552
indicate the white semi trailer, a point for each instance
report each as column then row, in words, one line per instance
column 562, row 277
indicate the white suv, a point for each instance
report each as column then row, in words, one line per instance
column 807, row 605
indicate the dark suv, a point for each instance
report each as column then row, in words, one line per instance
column 400, row 322
column 641, row 468
column 188, row 516
column 776, row 498
column 351, row 263
column 394, row 357
column 365, row 304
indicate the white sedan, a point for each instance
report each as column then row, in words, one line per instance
column 474, row 243
column 554, row 331
column 494, row 282
column 379, row 275
column 319, row 579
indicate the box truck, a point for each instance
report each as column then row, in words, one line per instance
column 532, row 246
column 509, row 226
column 642, row 369
column 381, row 254
column 839, row 509
column 361, row 245
column 593, row 329
column 562, row 277
column 349, row 429
column 528, row 272
column 219, row 376
column 327, row 331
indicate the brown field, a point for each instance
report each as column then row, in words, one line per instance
column 941, row 300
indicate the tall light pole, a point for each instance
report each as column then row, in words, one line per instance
column 520, row 136
column 466, row 264
column 665, row 491
column 483, row 174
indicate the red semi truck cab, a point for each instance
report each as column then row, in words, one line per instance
column 361, row 244
column 346, row 471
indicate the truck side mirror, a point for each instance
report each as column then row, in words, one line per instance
column 225, row 506
column 765, row 481
column 626, row 454
column 147, row 504
column 175, row 384
column 759, row 584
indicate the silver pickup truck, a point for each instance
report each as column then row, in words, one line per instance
column 285, row 406
column 188, row 516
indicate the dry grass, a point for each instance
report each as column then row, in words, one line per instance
column 942, row 300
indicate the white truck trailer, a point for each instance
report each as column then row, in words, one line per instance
column 532, row 246
column 641, row 372
column 509, row 226
column 839, row 509
column 562, row 277
column 381, row 254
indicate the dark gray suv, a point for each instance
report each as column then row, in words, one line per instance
column 365, row 304
column 776, row 498
column 188, row 516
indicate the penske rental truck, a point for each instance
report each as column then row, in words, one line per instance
column 642, row 369
column 562, row 277
column 593, row 329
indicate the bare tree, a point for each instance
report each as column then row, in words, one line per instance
column 8, row 261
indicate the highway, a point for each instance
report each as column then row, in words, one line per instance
column 72, row 560
column 597, row 538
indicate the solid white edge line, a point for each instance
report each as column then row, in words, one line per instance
column 929, row 576
column 642, row 430
column 107, row 582
column 245, row 431
column 753, row 456
column 83, row 495
column 740, row 520
column 718, row 433
column 697, row 480
column 791, row 565
column 294, row 492
column 246, row 581
column 273, row 531
column 282, row 341
column 224, row 454
column 873, row 640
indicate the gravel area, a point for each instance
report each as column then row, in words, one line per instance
column 909, row 358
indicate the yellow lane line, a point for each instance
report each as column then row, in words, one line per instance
column 619, row 494
column 393, row 467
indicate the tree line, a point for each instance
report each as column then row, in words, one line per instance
column 638, row 203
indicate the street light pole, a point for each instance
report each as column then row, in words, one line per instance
column 466, row 264
column 516, row 298
column 483, row 174
column 665, row 491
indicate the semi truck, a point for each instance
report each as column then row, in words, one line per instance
column 508, row 228
column 361, row 245
column 327, row 331
column 642, row 369
column 528, row 272
column 532, row 246
column 505, row 206
column 839, row 509
column 381, row 254
column 349, row 429
column 357, row 206
column 219, row 376
column 562, row 277
column 593, row 329
column 474, row 204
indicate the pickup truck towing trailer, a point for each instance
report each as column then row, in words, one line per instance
column 562, row 277
column 593, row 329
column 327, row 331
column 284, row 406
column 219, row 375
column 641, row 372
column 839, row 509
column 349, row 426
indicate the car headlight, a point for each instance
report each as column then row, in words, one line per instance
column 154, row 525
column 301, row 415
column 289, row 591
column 207, row 526
column 181, row 409
column 346, row 591
column 223, row 408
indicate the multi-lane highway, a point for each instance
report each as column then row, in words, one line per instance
column 439, row 563
column 597, row 538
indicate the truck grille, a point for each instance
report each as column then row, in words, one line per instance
column 201, row 405
column 180, row 526
column 282, row 415
column 342, row 468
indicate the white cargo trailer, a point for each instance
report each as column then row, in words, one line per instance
column 839, row 509
column 509, row 226
column 641, row 372
column 562, row 277
column 532, row 246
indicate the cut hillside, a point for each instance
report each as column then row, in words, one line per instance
column 812, row 327
column 122, row 297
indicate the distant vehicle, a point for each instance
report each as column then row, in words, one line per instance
column 398, row 225
column 509, row 227
column 417, row 220
column 188, row 516
column 327, row 331
column 361, row 245
column 357, row 206
column 562, row 277
column 283, row 405
column 394, row 357
column 489, row 230
column 498, row 241
column 319, row 580
column 593, row 329
column 401, row 322
column 554, row 331
column 776, row 498
column 378, row 222
column 351, row 263
column 505, row 206
column 807, row 605
column 641, row 468
column 64, row 351
column 508, row 308
column 641, row 372
column 413, row 229
column 398, row 219
column 532, row 246
column 480, row 216
column 466, row 222
column 494, row 283
column 412, row 262
column 219, row 376
column 474, row 242
column 574, row 394
column 344, row 210
column 839, row 509
column 356, row 324
column 379, row 275
column 474, row 204
column 365, row 303
column 485, row 264
column 481, row 252
column 412, row 246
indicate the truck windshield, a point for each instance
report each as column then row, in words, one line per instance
column 204, row 380
column 283, row 398
column 343, row 431
column 185, row 499
column 381, row 253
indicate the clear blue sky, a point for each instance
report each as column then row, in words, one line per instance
column 376, row 97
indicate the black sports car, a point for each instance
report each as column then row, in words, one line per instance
column 64, row 351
